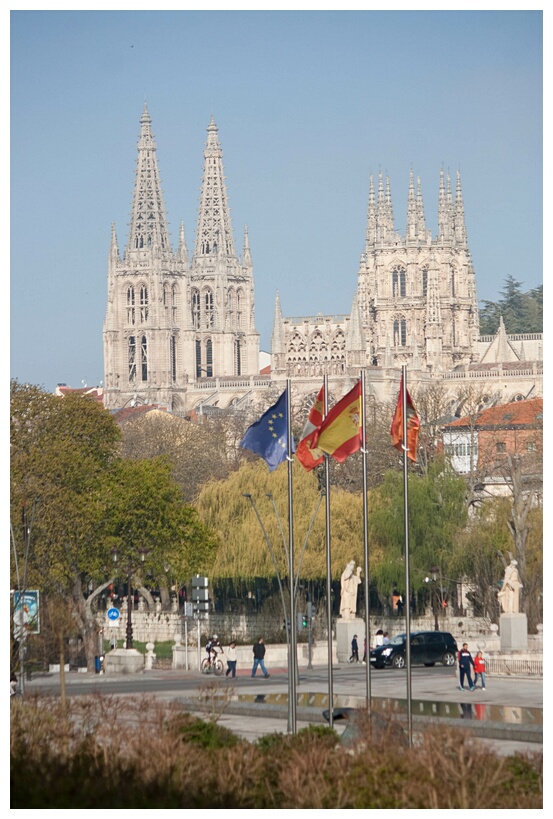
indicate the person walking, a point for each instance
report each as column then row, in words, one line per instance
column 465, row 662
column 354, row 650
column 480, row 670
column 258, row 658
column 231, row 660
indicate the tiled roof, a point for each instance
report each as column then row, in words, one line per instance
column 517, row 413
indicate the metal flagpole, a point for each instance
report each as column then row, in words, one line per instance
column 328, row 573
column 293, row 650
column 365, row 541
column 407, row 572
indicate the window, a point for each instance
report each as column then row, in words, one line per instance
column 239, row 309
column 531, row 446
column 501, row 446
column 238, row 357
column 424, row 281
column 173, row 358
column 130, row 305
column 132, row 358
column 144, row 358
column 198, row 360
column 143, row 304
column 209, row 357
column 398, row 282
column 209, row 312
column 196, row 309
column 174, row 294
column 400, row 333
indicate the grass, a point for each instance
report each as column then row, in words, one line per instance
column 163, row 650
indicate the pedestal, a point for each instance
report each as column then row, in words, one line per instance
column 513, row 632
column 345, row 629
column 124, row 661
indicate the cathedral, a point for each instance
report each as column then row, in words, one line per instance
column 180, row 331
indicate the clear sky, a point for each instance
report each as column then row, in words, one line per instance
column 308, row 104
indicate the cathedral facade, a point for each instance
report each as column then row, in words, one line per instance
column 180, row 332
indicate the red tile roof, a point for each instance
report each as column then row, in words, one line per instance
column 517, row 413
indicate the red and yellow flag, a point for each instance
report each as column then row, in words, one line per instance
column 340, row 432
column 413, row 425
column 309, row 457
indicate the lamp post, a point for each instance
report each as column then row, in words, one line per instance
column 115, row 556
column 434, row 574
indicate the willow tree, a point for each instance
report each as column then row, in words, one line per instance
column 437, row 514
column 243, row 552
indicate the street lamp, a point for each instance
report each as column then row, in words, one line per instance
column 115, row 556
column 434, row 574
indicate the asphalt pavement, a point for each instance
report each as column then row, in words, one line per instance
column 507, row 715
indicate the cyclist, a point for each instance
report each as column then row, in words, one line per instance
column 213, row 647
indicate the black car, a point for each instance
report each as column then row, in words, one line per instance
column 427, row 648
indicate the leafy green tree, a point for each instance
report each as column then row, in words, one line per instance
column 83, row 501
column 437, row 513
column 244, row 553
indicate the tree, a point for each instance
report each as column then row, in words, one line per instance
column 85, row 500
column 522, row 312
column 437, row 513
column 243, row 552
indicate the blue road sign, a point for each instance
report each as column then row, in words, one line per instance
column 113, row 614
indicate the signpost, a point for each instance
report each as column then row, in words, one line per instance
column 200, row 601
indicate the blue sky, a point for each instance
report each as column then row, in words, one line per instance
column 308, row 104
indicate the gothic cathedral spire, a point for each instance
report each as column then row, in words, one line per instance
column 214, row 234
column 148, row 228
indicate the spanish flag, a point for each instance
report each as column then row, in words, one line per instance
column 309, row 457
column 413, row 425
column 340, row 433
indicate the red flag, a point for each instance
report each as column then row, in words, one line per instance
column 413, row 425
column 340, row 432
column 310, row 457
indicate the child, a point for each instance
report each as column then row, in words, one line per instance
column 480, row 669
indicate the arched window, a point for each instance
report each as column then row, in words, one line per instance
column 198, row 359
column 424, row 281
column 209, row 358
column 173, row 357
column 196, row 309
column 398, row 283
column 230, row 308
column 132, row 358
column 143, row 304
column 130, row 306
column 209, row 311
column 400, row 333
column 239, row 302
column 238, row 357
column 144, row 358
column 453, row 281
column 174, row 296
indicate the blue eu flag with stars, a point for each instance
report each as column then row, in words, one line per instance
column 268, row 437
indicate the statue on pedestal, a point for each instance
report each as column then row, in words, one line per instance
column 509, row 594
column 348, row 584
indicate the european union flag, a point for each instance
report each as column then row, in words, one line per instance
column 268, row 437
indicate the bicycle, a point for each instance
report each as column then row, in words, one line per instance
column 214, row 666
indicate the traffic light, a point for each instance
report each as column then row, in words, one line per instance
column 200, row 595
column 302, row 621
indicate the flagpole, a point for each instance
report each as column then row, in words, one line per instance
column 407, row 572
column 328, row 572
column 293, row 651
column 365, row 542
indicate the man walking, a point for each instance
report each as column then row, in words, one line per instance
column 465, row 662
column 258, row 656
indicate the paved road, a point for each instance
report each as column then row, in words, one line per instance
column 514, row 705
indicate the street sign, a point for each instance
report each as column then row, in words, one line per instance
column 113, row 617
column 26, row 615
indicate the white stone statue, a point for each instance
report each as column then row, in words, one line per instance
column 349, row 583
column 509, row 594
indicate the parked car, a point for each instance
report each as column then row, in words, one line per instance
column 427, row 648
